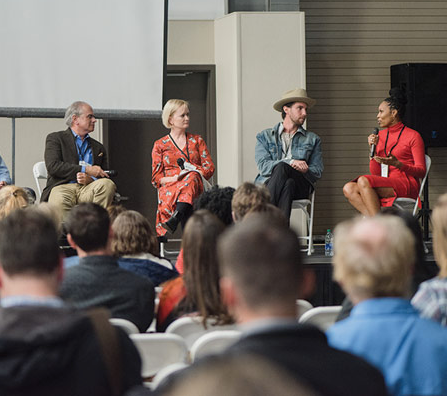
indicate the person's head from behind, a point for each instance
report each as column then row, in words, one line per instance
column 201, row 267
column 12, row 198
column 247, row 196
column 28, row 248
column 243, row 374
column 262, row 272
column 133, row 234
column 53, row 211
column 218, row 201
column 88, row 227
column 114, row 211
column 439, row 221
column 374, row 257
column 170, row 108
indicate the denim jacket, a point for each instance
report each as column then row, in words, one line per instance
column 306, row 146
column 4, row 173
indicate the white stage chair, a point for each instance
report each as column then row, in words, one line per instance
column 302, row 306
column 40, row 173
column 322, row 317
column 410, row 204
column 303, row 204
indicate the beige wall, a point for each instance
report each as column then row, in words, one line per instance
column 258, row 56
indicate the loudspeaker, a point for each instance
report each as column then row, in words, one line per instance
column 425, row 85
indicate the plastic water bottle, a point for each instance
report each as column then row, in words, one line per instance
column 328, row 244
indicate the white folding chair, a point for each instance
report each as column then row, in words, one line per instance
column 213, row 342
column 322, row 317
column 165, row 372
column 125, row 324
column 302, row 306
column 303, row 204
column 410, row 204
column 190, row 328
column 40, row 173
column 158, row 350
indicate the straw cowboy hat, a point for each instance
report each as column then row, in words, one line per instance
column 295, row 95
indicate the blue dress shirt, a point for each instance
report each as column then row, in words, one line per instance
column 410, row 351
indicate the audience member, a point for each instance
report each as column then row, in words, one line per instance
column 197, row 291
column 47, row 348
column 11, row 198
column 98, row 281
column 247, row 196
column 115, row 210
column 431, row 298
column 421, row 271
column 53, row 212
column 216, row 200
column 373, row 262
column 76, row 163
column 249, row 375
column 262, row 276
column 136, row 246
column 5, row 177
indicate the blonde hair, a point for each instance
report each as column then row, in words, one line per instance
column 374, row 257
column 171, row 106
column 248, row 196
column 439, row 222
column 11, row 198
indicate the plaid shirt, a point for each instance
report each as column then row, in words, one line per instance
column 431, row 300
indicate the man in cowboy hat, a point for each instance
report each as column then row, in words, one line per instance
column 289, row 157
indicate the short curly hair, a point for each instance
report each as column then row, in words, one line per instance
column 246, row 197
column 218, row 201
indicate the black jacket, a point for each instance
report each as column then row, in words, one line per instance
column 55, row 351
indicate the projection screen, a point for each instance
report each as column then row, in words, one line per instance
column 109, row 53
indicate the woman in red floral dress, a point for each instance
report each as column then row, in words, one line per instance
column 177, row 189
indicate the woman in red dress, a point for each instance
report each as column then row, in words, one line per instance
column 178, row 149
column 398, row 163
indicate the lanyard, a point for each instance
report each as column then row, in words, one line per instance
column 82, row 153
column 386, row 141
column 187, row 150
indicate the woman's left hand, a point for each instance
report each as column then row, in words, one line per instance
column 390, row 160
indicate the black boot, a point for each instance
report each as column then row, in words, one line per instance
column 172, row 224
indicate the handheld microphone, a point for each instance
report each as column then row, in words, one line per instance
column 180, row 163
column 111, row 173
column 373, row 147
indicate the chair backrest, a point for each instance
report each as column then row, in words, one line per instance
column 165, row 372
column 424, row 179
column 213, row 342
column 302, row 306
column 322, row 317
column 40, row 173
column 125, row 324
column 158, row 350
column 190, row 328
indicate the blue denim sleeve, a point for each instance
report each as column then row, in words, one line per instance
column 315, row 162
column 4, row 172
column 265, row 155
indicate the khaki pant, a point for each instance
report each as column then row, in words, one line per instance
column 65, row 196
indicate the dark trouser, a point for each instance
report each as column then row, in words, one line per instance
column 285, row 185
column 184, row 212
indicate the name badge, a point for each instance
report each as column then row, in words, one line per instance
column 83, row 163
column 384, row 169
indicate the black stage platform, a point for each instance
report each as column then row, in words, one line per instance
column 326, row 292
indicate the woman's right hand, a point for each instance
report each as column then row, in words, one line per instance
column 373, row 139
column 168, row 179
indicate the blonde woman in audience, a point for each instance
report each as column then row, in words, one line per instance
column 136, row 246
column 197, row 291
column 11, row 198
column 431, row 298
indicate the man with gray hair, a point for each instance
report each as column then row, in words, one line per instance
column 373, row 262
column 76, row 162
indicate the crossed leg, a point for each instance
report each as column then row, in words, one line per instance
column 364, row 198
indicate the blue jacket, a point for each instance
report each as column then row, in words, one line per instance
column 306, row 146
column 4, row 173
column 410, row 351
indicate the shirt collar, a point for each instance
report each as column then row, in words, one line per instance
column 78, row 138
column 300, row 130
column 12, row 301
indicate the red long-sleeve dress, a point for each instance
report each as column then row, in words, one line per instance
column 164, row 163
column 408, row 149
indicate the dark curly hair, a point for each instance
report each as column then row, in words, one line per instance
column 397, row 101
column 218, row 201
